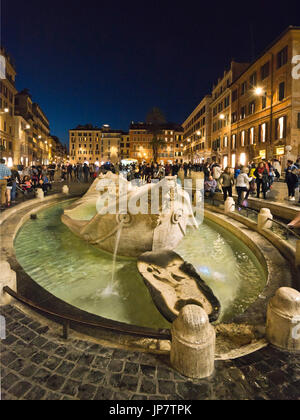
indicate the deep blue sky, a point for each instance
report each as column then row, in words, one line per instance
column 111, row 61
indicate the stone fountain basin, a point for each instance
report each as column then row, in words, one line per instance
column 173, row 283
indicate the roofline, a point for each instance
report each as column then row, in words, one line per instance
column 271, row 45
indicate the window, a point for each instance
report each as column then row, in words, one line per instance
column 264, row 101
column 252, row 135
column 234, row 117
column 281, row 93
column 280, row 125
column 298, row 122
column 243, row 138
column 244, row 88
column 225, row 142
column 233, row 141
column 265, row 71
column 252, row 107
column 282, row 57
column 253, row 80
column 263, row 129
column 243, row 113
column 234, row 95
column 227, row 102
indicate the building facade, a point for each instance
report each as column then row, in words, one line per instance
column 220, row 110
column 170, row 143
column 93, row 144
column 254, row 110
column 32, row 143
column 197, row 133
column 266, row 105
column 7, row 104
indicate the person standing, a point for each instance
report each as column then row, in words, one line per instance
column 291, row 179
column 243, row 185
column 5, row 174
column 227, row 182
column 262, row 179
column 217, row 172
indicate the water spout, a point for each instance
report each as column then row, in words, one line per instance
column 111, row 288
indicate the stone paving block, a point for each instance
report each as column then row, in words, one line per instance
column 80, row 372
column 148, row 371
column 29, row 371
column 129, row 383
column 52, row 363
column 41, row 376
column 131, row 368
column 55, row 382
column 71, row 387
column 100, row 362
column 8, row 357
column 148, row 387
column 61, row 351
column 35, row 394
column 8, row 381
column 19, row 389
column 39, row 358
column 95, row 377
column 116, row 366
column 65, row 368
column 86, row 392
column 166, row 387
column 103, row 394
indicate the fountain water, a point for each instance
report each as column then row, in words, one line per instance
column 111, row 288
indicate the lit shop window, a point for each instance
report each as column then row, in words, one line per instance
column 243, row 159
column 252, row 135
column 281, row 127
column 263, row 132
column 233, row 161
column 243, row 136
column 225, row 162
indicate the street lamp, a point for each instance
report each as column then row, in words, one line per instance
column 222, row 117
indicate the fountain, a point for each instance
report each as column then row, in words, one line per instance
column 97, row 262
column 153, row 216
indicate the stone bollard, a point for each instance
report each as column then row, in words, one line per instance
column 262, row 221
column 283, row 319
column 193, row 343
column 40, row 194
column 8, row 278
column 229, row 205
column 66, row 190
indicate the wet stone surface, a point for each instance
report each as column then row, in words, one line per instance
column 37, row 364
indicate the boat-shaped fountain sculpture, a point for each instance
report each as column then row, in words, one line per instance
column 151, row 217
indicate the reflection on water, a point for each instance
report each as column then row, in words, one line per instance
column 78, row 273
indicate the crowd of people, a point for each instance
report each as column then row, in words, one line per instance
column 255, row 179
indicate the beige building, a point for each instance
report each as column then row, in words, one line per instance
column 7, row 100
column 254, row 110
column 93, row 144
column 32, row 132
column 220, row 111
column 170, row 148
column 266, row 105
column 197, row 133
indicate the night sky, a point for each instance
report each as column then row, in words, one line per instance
column 110, row 62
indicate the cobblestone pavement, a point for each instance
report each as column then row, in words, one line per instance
column 38, row 365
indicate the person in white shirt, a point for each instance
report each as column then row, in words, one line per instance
column 243, row 185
